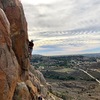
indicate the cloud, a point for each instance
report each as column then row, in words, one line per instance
column 64, row 26
column 63, row 15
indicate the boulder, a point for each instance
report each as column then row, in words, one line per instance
column 22, row 92
column 32, row 89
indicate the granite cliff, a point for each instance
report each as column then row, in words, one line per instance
column 18, row 79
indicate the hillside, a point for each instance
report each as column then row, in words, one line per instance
column 61, row 61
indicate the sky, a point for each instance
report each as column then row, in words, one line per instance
column 63, row 27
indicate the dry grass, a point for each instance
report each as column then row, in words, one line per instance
column 65, row 70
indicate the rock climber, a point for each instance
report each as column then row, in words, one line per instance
column 30, row 47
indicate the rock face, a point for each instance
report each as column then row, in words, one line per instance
column 18, row 29
column 16, row 81
column 8, row 61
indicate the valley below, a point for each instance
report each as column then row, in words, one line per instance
column 71, row 77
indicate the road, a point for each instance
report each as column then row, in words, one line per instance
column 89, row 75
column 76, row 68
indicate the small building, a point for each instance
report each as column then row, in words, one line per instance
column 98, row 60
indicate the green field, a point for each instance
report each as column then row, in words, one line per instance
column 68, row 70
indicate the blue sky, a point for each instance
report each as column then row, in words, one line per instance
column 63, row 27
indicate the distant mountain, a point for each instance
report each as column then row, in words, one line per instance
column 92, row 55
column 87, row 55
column 37, row 55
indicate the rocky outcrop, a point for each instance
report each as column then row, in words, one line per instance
column 39, row 81
column 38, row 74
column 18, row 31
column 16, row 81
